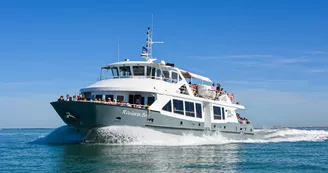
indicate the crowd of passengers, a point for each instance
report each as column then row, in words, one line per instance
column 242, row 120
column 108, row 101
column 219, row 91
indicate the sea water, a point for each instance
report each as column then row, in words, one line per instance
column 136, row 149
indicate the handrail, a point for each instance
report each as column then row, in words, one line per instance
column 112, row 103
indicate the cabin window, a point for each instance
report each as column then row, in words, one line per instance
column 125, row 71
column 223, row 113
column 142, row 100
column 114, row 72
column 148, row 71
column 137, row 99
column 198, row 110
column 167, row 107
column 178, row 106
column 174, row 77
column 138, row 70
column 131, row 99
column 119, row 98
column 190, row 109
column 150, row 100
column 99, row 97
column 109, row 96
column 87, row 95
column 217, row 113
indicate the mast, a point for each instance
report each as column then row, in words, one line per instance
column 118, row 49
column 147, row 50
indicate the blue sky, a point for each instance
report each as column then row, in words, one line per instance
column 272, row 54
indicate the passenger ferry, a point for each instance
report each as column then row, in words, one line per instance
column 153, row 95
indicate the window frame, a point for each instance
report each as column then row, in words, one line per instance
column 200, row 109
column 189, row 105
column 117, row 71
column 178, row 111
column 217, row 116
column 121, row 71
column 148, row 100
column 168, row 105
column 138, row 67
column 118, row 100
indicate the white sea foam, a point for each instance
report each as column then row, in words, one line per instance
column 61, row 135
column 127, row 135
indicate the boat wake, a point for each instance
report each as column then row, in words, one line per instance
column 127, row 135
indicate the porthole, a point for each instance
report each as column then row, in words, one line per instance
column 199, row 124
column 241, row 128
column 214, row 126
column 251, row 130
column 181, row 122
column 224, row 127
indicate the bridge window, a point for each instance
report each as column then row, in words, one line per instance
column 178, row 106
column 153, row 73
column 217, row 113
column 158, row 72
column 115, row 72
column 125, row 71
column 190, row 109
column 166, row 74
column 167, row 107
column 148, row 71
column 198, row 110
column 138, row 70
column 174, row 77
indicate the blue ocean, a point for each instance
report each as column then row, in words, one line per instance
column 136, row 149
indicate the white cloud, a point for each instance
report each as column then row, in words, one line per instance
column 317, row 70
column 317, row 52
column 245, row 56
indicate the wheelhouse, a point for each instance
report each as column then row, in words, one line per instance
column 150, row 70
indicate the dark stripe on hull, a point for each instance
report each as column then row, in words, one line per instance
column 89, row 115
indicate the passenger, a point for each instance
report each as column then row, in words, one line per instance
column 221, row 92
column 121, row 103
column 67, row 97
column 194, row 88
column 213, row 87
column 109, row 101
column 60, row 98
column 128, row 104
column 114, row 102
column 70, row 99
column 218, row 87
column 232, row 97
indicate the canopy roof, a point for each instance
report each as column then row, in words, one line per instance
column 192, row 75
